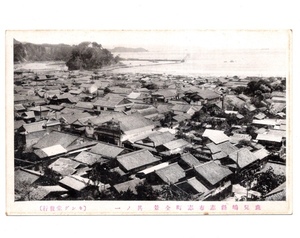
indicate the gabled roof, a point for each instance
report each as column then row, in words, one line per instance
column 34, row 127
column 126, row 122
column 243, row 157
column 171, row 174
column 227, row 147
column 19, row 107
column 22, row 176
column 41, row 192
column 207, row 94
column 182, row 117
column 18, row 124
column 72, row 117
column 197, row 185
column 182, row 107
column 87, row 158
column 215, row 136
column 161, row 138
column 85, row 105
column 136, row 159
column 212, row 172
column 175, row 144
column 38, row 109
column 148, row 112
column 261, row 153
column 28, row 115
column 56, row 138
column 112, row 100
column 102, row 118
column 54, row 150
column 166, row 93
column 190, row 159
column 64, row 166
column 75, row 182
column 269, row 137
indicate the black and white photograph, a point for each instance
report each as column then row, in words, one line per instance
column 149, row 122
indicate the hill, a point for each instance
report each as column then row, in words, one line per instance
column 86, row 55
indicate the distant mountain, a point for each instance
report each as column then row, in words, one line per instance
column 126, row 49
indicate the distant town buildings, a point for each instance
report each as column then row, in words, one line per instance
column 83, row 135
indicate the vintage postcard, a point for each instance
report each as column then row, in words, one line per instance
column 148, row 122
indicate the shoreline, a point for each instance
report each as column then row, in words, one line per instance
column 122, row 68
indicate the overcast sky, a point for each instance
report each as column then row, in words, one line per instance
column 162, row 39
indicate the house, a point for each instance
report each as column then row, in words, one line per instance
column 203, row 96
column 75, row 184
column 171, row 174
column 140, row 97
column 85, row 106
column 117, row 131
column 216, row 136
column 137, row 160
column 242, row 160
column 150, row 170
column 64, row 166
column 193, row 187
column 149, row 113
column 87, row 158
column 57, row 138
column 269, row 139
column 173, row 147
column 107, row 150
column 29, row 134
column 164, row 95
column 89, row 88
column 153, row 140
column 187, row 161
column 49, row 152
column 221, row 150
column 24, row 181
column 179, row 109
column 40, row 112
column 212, row 175
column 113, row 102
column 43, row 193
column 28, row 116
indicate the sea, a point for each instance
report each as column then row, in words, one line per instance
column 213, row 62
column 200, row 62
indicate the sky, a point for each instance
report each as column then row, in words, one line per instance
column 159, row 39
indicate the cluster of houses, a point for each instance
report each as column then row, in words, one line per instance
column 77, row 130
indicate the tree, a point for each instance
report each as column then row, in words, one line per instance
column 146, row 192
column 89, row 55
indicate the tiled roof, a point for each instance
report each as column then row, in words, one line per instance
column 171, row 174
column 212, row 172
column 87, row 158
column 215, row 136
column 137, row 159
column 74, row 182
column 190, row 159
column 161, row 138
column 56, row 138
column 64, row 166
column 179, row 143
column 243, row 157
column 106, row 150
column 34, row 127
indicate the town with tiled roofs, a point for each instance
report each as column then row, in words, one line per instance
column 100, row 135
